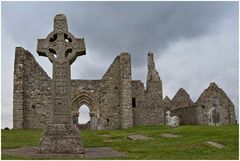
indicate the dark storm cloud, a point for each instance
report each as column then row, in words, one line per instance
column 179, row 33
column 112, row 27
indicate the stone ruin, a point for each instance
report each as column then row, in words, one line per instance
column 115, row 101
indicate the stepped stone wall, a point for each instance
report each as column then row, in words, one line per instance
column 115, row 101
column 32, row 92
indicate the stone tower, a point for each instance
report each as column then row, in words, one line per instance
column 154, row 94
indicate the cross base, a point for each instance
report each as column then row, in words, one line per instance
column 61, row 138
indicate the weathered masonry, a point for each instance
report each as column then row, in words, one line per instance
column 115, row 100
column 62, row 49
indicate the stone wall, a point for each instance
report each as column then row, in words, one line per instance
column 187, row 115
column 18, row 89
column 111, row 98
column 139, row 103
column 126, row 91
column 166, row 105
column 154, row 94
column 181, row 99
column 148, row 110
column 215, row 97
column 89, row 93
column 32, row 92
column 115, row 101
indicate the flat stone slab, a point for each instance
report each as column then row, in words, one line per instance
column 99, row 152
column 168, row 135
column 215, row 144
column 139, row 137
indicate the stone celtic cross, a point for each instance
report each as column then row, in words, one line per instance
column 61, row 48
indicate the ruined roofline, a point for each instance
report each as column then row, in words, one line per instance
column 181, row 92
column 166, row 98
column 152, row 73
column 213, row 86
column 28, row 53
column 181, row 99
column 110, row 67
column 115, row 62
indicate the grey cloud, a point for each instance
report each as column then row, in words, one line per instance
column 112, row 27
column 136, row 27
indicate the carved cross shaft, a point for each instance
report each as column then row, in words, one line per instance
column 62, row 49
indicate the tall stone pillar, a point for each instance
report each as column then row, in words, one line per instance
column 93, row 121
column 18, row 89
column 75, row 117
column 154, row 92
column 126, row 91
column 61, row 48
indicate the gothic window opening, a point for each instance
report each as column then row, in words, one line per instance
column 133, row 102
column 84, row 116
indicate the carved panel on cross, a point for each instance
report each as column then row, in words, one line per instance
column 61, row 48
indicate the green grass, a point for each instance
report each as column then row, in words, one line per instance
column 190, row 146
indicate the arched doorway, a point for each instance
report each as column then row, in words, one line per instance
column 84, row 116
column 213, row 116
column 85, row 99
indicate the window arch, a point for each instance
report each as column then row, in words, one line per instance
column 84, row 116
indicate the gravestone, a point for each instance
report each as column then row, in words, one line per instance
column 172, row 121
column 62, row 49
column 175, row 121
column 215, row 144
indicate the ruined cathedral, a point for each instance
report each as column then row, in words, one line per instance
column 115, row 101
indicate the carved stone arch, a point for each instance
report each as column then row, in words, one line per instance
column 86, row 98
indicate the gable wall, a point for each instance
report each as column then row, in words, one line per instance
column 35, row 92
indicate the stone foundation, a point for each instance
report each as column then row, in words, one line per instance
column 61, row 138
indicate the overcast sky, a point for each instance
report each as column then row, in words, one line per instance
column 194, row 43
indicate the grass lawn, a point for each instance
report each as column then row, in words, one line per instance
column 192, row 144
